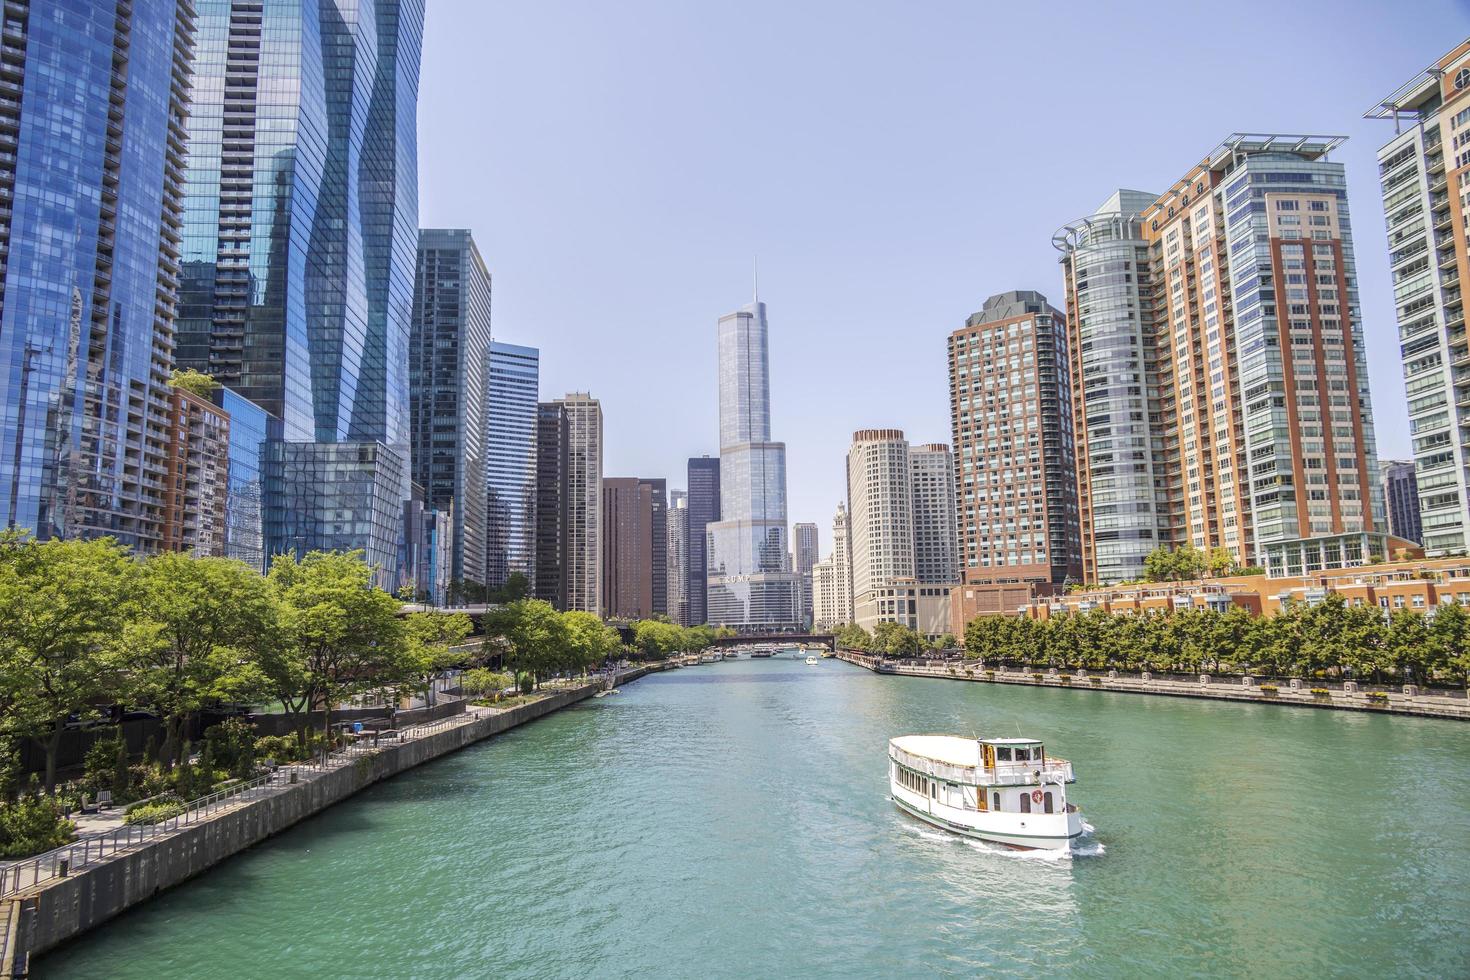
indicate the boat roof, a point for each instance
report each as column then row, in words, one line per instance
column 949, row 749
column 1011, row 741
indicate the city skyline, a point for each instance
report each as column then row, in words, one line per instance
column 934, row 249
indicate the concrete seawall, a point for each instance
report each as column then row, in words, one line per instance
column 1211, row 688
column 63, row 908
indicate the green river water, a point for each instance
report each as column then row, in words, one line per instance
column 732, row 820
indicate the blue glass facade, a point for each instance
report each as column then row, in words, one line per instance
column 92, row 114
column 251, row 429
column 447, row 368
column 300, row 235
column 513, row 374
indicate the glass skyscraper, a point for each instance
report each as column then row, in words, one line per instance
column 750, row 586
column 92, row 124
column 252, row 429
column 1127, row 506
column 300, row 237
column 704, row 510
column 447, row 372
column 510, row 462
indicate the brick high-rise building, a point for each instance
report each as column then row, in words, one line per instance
column 1011, row 418
column 1251, row 263
column 1424, row 172
column 627, row 548
column 196, row 480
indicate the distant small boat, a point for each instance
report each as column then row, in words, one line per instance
column 812, row 661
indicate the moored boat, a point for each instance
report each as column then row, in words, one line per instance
column 812, row 661
column 1004, row 790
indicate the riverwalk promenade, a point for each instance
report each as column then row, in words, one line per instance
column 1339, row 696
column 48, row 899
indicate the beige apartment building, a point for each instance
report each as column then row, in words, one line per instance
column 1424, row 172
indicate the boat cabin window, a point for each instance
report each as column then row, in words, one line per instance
column 1048, row 803
column 1025, row 802
column 1003, row 753
column 996, row 798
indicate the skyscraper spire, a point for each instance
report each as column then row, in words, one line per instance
column 755, row 280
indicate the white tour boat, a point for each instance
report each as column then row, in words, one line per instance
column 1004, row 790
column 812, row 661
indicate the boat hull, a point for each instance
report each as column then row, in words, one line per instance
column 1047, row 832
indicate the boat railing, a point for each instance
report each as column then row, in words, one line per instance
column 1052, row 770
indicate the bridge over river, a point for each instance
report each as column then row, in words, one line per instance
column 811, row 639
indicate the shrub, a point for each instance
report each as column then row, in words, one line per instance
column 527, row 683
column 101, row 762
column 481, row 681
column 1321, row 692
column 33, row 824
column 281, row 748
column 1036, row 677
column 1377, row 696
column 1268, row 689
column 232, row 745
column 155, row 811
column 1066, row 678
column 990, row 674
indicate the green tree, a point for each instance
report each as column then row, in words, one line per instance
column 851, row 636
column 432, row 638
column 1449, row 640
column 1410, row 649
column 67, row 605
column 203, row 623
column 895, row 640
column 535, row 636
column 657, row 640
column 339, row 635
column 1220, row 561
column 589, row 640
column 196, row 382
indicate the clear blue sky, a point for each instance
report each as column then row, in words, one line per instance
column 893, row 164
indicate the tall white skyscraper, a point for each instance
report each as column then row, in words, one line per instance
column 936, row 521
column 678, row 560
column 903, row 536
column 751, row 586
column 841, row 609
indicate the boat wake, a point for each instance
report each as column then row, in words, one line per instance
column 1085, row 846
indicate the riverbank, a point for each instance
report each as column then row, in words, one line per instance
column 77, row 888
column 1303, row 694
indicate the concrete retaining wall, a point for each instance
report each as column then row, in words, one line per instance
column 1217, row 689
column 67, row 907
